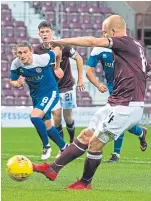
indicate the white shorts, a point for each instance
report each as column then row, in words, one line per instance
column 67, row 100
column 109, row 122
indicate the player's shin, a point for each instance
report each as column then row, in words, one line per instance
column 73, row 151
column 91, row 164
column 39, row 134
column 55, row 136
column 60, row 130
column 71, row 131
column 41, row 128
column 118, row 145
column 136, row 130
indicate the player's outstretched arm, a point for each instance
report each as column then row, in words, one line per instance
column 80, row 82
column 83, row 41
column 58, row 54
column 90, row 73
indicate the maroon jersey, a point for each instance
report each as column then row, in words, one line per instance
column 66, row 83
column 129, row 73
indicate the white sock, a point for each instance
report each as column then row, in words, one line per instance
column 118, row 155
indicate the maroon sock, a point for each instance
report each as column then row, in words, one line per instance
column 73, row 151
column 71, row 131
column 60, row 130
column 92, row 161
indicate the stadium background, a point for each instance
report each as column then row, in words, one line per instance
column 19, row 21
column 69, row 19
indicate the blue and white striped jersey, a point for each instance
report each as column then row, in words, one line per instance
column 105, row 56
column 38, row 75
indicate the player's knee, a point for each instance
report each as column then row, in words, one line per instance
column 95, row 145
column 85, row 136
column 57, row 122
column 37, row 113
column 68, row 119
column 57, row 118
column 48, row 124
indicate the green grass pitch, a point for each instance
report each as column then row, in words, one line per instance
column 128, row 180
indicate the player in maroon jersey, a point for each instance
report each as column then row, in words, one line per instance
column 123, row 110
column 67, row 93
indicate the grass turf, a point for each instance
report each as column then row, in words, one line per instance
column 128, row 180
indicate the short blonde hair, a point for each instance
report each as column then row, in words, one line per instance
column 24, row 44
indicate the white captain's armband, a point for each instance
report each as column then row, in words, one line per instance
column 110, row 42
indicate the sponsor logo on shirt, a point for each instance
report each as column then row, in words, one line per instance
column 109, row 65
column 38, row 70
column 34, row 78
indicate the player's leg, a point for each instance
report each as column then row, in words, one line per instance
column 57, row 117
column 54, row 135
column 37, row 120
column 76, row 149
column 67, row 114
column 68, row 103
column 41, row 135
column 95, row 148
column 141, row 133
column 117, row 120
column 136, row 130
column 92, row 161
column 51, row 130
column 44, row 105
column 117, row 149
column 108, row 122
column 73, row 151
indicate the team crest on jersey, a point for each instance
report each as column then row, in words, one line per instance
column 21, row 70
column 38, row 70
column 104, row 56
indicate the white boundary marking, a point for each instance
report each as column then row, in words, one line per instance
column 134, row 160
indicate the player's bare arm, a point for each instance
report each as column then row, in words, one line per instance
column 57, row 70
column 79, row 62
column 90, row 73
column 58, row 53
column 83, row 41
column 18, row 83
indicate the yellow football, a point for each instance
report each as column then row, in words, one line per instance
column 19, row 167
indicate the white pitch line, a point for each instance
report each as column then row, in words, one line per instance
column 127, row 160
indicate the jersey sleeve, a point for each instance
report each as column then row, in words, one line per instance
column 70, row 52
column 118, row 43
column 93, row 59
column 14, row 75
column 46, row 59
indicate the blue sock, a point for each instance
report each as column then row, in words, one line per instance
column 118, row 144
column 39, row 134
column 41, row 128
column 136, row 130
column 55, row 136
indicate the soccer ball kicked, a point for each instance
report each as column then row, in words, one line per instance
column 19, row 167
